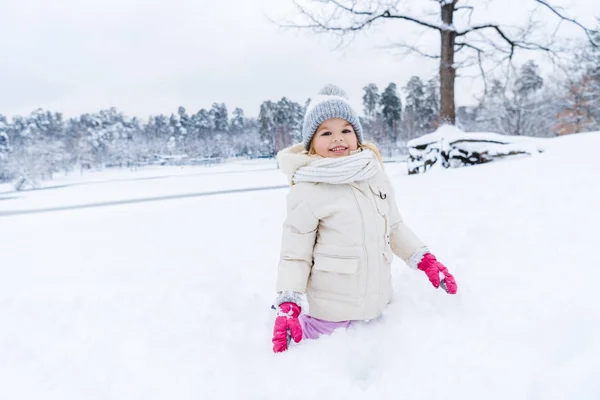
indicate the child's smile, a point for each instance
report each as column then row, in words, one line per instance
column 339, row 150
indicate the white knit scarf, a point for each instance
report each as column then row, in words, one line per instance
column 355, row 167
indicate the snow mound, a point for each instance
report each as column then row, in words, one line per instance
column 452, row 148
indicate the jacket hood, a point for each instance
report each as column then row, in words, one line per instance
column 292, row 158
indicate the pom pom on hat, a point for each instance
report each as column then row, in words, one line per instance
column 332, row 90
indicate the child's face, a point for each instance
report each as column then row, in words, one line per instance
column 335, row 138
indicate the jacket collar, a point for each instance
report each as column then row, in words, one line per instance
column 292, row 158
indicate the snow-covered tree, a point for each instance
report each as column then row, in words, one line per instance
column 415, row 112
column 372, row 122
column 288, row 123
column 371, row 99
column 432, row 105
column 391, row 111
column 184, row 129
column 266, row 127
column 218, row 114
column 528, row 81
column 115, row 134
column 247, row 143
column 520, row 106
column 177, row 134
column 37, row 147
column 203, row 123
column 463, row 41
column 579, row 111
column 279, row 124
column 391, row 106
column 4, row 149
column 238, row 121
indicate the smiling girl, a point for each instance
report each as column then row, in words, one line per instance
column 342, row 228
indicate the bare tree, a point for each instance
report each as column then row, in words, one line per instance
column 478, row 42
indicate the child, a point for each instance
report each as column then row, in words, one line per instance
column 342, row 228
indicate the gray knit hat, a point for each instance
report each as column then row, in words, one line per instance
column 330, row 102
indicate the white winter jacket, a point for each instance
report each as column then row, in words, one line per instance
column 338, row 242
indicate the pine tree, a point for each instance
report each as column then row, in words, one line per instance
column 238, row 121
column 373, row 125
column 391, row 111
column 431, row 109
column 79, row 143
column 422, row 106
column 185, row 125
column 288, row 123
column 176, row 131
column 528, row 81
column 266, row 127
column 391, row 106
column 155, row 135
column 203, row 124
column 371, row 100
column 218, row 114
column 415, row 107
column 530, row 107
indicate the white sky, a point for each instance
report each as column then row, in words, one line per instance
column 150, row 56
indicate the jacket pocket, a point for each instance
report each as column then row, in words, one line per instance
column 335, row 270
column 380, row 192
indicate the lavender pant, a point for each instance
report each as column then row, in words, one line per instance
column 312, row 328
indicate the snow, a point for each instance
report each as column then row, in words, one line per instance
column 171, row 299
column 451, row 134
column 467, row 148
column 127, row 185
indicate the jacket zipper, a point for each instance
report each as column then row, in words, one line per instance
column 366, row 253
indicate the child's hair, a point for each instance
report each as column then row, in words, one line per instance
column 369, row 146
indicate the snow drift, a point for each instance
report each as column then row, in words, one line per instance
column 450, row 147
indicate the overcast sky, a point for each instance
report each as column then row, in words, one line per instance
column 150, row 56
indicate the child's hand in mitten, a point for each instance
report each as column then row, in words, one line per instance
column 432, row 268
column 287, row 320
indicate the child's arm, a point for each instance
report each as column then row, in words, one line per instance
column 298, row 241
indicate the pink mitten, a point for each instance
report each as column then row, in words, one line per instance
column 432, row 268
column 287, row 319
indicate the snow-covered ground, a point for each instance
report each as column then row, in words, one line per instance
column 170, row 299
column 127, row 185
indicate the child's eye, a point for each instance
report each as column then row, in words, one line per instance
column 346, row 131
column 325, row 133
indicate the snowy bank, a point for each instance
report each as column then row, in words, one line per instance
column 453, row 148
